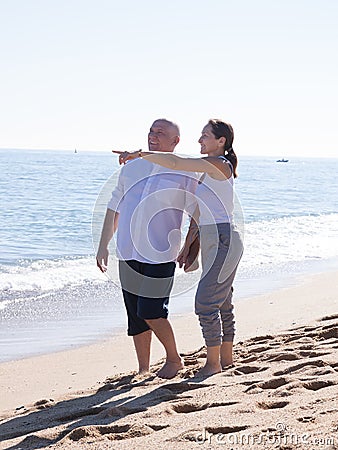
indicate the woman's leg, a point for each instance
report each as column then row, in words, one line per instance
column 228, row 329
column 226, row 309
column 209, row 298
column 207, row 309
column 213, row 302
column 212, row 364
column 226, row 354
column 207, row 306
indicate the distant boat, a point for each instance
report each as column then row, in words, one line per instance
column 282, row 160
column 75, row 151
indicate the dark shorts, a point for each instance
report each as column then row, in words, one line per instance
column 146, row 289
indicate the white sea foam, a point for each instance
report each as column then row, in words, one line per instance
column 268, row 244
column 290, row 239
column 48, row 275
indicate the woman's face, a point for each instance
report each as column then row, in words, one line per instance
column 210, row 145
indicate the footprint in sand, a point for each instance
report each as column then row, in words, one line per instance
column 320, row 372
column 250, row 359
column 273, row 383
column 120, row 411
column 118, row 382
column 322, row 332
column 297, row 337
column 261, row 339
column 281, row 356
column 328, row 342
column 315, row 385
column 272, row 405
column 179, row 388
column 251, row 382
column 305, row 347
column 244, row 370
column 81, row 413
column 226, row 429
column 194, row 407
column 330, row 331
column 113, row 432
column 300, row 367
column 312, row 354
column 259, row 348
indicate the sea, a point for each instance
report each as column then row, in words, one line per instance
column 52, row 295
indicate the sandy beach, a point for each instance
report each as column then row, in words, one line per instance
column 281, row 392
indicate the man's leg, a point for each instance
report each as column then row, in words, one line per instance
column 153, row 308
column 164, row 332
column 137, row 327
column 142, row 344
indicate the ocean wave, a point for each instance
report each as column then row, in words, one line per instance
column 48, row 275
column 290, row 239
column 268, row 244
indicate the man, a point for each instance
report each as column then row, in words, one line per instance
column 146, row 209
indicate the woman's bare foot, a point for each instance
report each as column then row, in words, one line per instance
column 208, row 370
column 170, row 369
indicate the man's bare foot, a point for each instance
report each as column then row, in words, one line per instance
column 170, row 369
column 209, row 370
column 143, row 371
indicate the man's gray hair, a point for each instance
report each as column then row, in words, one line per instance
column 172, row 124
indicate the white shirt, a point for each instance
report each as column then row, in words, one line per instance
column 150, row 200
column 215, row 199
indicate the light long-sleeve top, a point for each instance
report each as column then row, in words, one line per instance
column 150, row 200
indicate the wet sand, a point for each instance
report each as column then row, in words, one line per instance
column 281, row 392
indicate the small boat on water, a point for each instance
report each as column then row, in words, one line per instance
column 282, row 160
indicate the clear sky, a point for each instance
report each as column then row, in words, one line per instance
column 93, row 75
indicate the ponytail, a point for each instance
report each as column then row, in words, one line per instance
column 223, row 129
column 232, row 158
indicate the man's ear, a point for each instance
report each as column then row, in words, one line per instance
column 176, row 140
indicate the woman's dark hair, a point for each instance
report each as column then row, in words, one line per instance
column 223, row 129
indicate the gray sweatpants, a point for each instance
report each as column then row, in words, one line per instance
column 221, row 251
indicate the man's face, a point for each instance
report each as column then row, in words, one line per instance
column 162, row 137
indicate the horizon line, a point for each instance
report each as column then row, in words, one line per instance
column 76, row 150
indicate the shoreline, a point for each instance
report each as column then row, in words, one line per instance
column 109, row 322
column 66, row 372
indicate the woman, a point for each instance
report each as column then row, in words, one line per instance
column 221, row 244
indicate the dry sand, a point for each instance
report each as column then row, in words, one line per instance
column 282, row 392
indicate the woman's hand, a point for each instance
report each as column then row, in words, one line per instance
column 188, row 256
column 126, row 156
column 183, row 256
